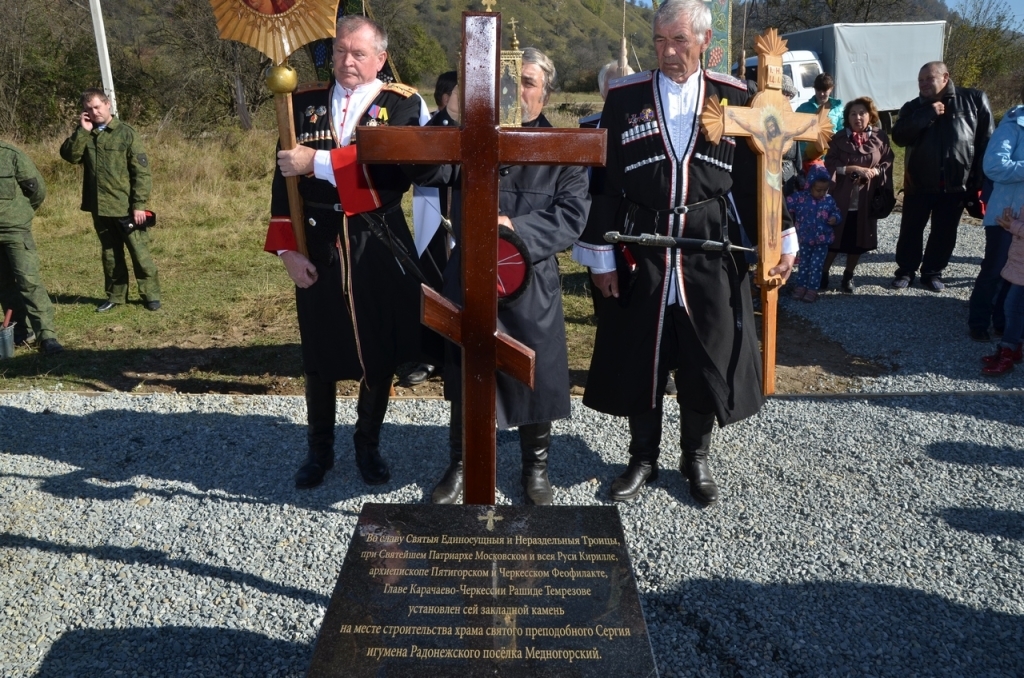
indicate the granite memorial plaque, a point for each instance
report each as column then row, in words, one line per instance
column 470, row 591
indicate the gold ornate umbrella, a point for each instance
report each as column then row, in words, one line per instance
column 275, row 27
column 278, row 28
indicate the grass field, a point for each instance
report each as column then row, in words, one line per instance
column 228, row 320
column 228, row 311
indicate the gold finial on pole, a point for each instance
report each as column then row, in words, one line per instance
column 489, row 5
column 515, row 39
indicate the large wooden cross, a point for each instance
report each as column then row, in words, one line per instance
column 481, row 147
column 771, row 127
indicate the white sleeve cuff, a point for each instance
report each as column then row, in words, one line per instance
column 598, row 258
column 790, row 245
column 322, row 168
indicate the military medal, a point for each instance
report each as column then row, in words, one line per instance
column 309, row 111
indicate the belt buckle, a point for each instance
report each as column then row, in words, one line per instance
column 337, row 207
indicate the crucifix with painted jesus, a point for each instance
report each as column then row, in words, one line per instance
column 482, row 147
column 771, row 127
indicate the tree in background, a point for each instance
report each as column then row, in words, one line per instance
column 984, row 50
column 170, row 68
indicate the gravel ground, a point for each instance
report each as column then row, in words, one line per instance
column 882, row 536
column 921, row 336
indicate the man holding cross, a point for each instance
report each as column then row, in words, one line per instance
column 671, row 309
column 356, row 293
column 546, row 207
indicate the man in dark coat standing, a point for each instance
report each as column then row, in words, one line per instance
column 358, row 304
column 945, row 132
column 677, row 310
column 546, row 207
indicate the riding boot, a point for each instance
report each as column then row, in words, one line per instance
column 370, row 411
column 695, row 440
column 644, row 448
column 534, row 443
column 450, row 488
column 320, row 406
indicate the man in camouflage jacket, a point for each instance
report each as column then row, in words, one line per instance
column 116, row 184
column 22, row 191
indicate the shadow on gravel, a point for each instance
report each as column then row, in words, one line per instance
column 247, row 459
column 245, row 370
column 171, row 651
column 142, row 556
column 737, row 628
column 998, row 409
column 986, row 521
column 973, row 454
column 217, row 456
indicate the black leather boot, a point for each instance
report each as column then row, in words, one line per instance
column 695, row 440
column 320, row 405
column 449, row 489
column 370, row 411
column 644, row 442
column 534, row 443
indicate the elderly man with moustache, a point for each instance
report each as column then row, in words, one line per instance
column 671, row 309
column 357, row 299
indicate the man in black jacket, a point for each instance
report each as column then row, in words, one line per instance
column 546, row 206
column 358, row 305
column 682, row 311
column 945, row 132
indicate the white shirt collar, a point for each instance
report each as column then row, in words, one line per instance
column 679, row 106
column 347, row 106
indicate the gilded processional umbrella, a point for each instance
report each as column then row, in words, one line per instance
column 277, row 28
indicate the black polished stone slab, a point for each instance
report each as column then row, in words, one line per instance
column 436, row 591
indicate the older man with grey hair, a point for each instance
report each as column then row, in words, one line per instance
column 664, row 310
column 546, row 208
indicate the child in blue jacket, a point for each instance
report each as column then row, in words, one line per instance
column 815, row 213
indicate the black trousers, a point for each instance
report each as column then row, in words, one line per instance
column 945, row 210
column 682, row 351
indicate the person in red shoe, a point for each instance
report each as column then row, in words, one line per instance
column 1009, row 351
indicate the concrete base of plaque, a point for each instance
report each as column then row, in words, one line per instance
column 470, row 591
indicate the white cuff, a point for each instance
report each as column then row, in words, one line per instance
column 322, row 168
column 598, row 258
column 790, row 244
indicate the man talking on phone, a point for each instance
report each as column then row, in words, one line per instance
column 115, row 188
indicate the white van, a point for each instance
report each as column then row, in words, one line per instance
column 801, row 65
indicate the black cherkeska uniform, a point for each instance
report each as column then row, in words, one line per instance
column 548, row 207
column 642, row 177
column 361, row 317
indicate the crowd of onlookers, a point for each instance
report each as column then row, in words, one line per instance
column 954, row 162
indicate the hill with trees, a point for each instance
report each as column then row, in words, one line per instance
column 170, row 67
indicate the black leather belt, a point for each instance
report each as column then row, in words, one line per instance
column 336, row 207
column 682, row 209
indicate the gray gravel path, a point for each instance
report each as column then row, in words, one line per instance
column 160, row 535
column 919, row 335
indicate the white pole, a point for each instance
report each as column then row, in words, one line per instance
column 101, row 51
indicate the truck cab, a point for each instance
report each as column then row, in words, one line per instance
column 801, row 65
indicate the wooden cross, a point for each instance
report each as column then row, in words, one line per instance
column 490, row 518
column 771, row 127
column 481, row 146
